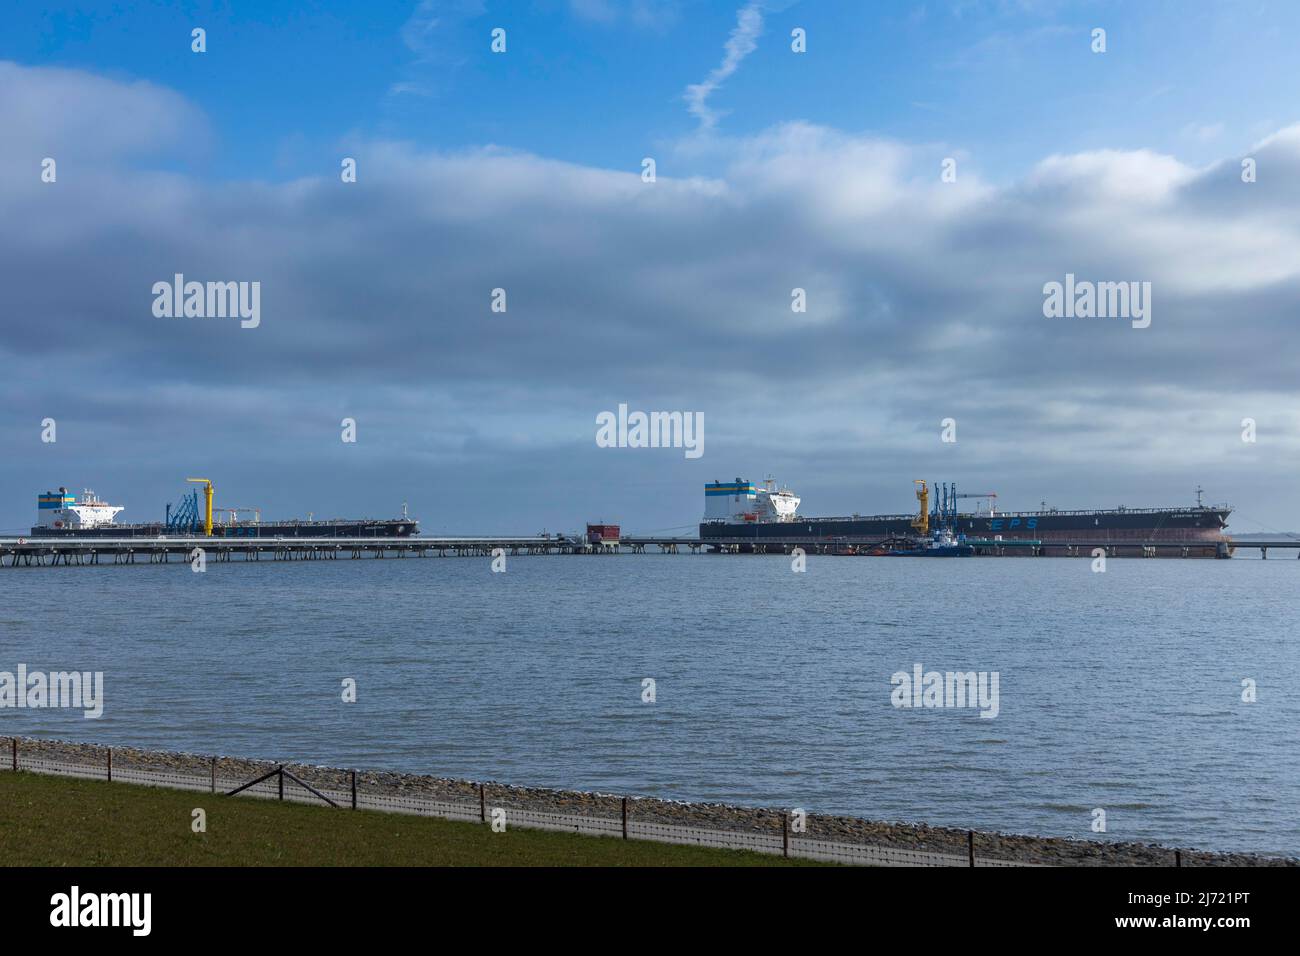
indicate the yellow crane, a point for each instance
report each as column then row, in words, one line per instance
column 207, row 504
column 922, row 521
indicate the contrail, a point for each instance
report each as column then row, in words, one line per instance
column 741, row 43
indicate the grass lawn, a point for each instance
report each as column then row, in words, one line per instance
column 59, row 821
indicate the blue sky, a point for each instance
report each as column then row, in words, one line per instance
column 601, row 83
column 817, row 170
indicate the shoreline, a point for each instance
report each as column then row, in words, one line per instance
column 989, row 845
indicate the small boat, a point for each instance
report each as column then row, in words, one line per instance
column 942, row 543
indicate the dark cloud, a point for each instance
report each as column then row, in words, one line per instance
column 925, row 301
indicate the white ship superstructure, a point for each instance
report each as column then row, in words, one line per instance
column 743, row 502
column 60, row 509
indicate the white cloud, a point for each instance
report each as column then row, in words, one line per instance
column 1203, row 132
column 436, row 33
column 646, row 14
column 64, row 114
column 600, row 10
column 1112, row 175
column 1287, row 136
column 421, row 31
column 924, row 300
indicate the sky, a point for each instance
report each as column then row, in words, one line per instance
column 921, row 171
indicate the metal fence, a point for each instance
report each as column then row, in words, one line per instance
column 625, row 826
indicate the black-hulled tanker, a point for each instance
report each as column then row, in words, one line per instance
column 743, row 513
column 61, row 514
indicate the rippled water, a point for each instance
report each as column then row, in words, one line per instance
column 1119, row 690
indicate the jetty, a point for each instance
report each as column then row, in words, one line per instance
column 71, row 550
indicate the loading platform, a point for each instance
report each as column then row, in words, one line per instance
column 47, row 552
column 1007, row 547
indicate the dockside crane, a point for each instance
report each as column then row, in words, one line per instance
column 207, row 504
column 944, row 515
column 945, row 504
column 185, row 518
column 922, row 521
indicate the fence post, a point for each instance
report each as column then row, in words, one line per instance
column 214, row 774
column 280, row 776
column 15, row 748
column 970, row 845
column 110, row 764
column 482, row 805
column 625, row 818
column 785, row 833
column 1178, row 857
column 354, row 789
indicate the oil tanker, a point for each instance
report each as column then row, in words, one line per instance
column 62, row 514
column 751, row 515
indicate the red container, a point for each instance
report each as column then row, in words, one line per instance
column 597, row 533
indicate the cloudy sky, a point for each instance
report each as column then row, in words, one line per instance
column 775, row 170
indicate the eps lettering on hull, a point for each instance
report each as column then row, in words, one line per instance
column 997, row 524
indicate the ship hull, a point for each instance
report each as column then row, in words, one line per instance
column 1193, row 526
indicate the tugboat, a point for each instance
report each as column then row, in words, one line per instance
column 942, row 543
